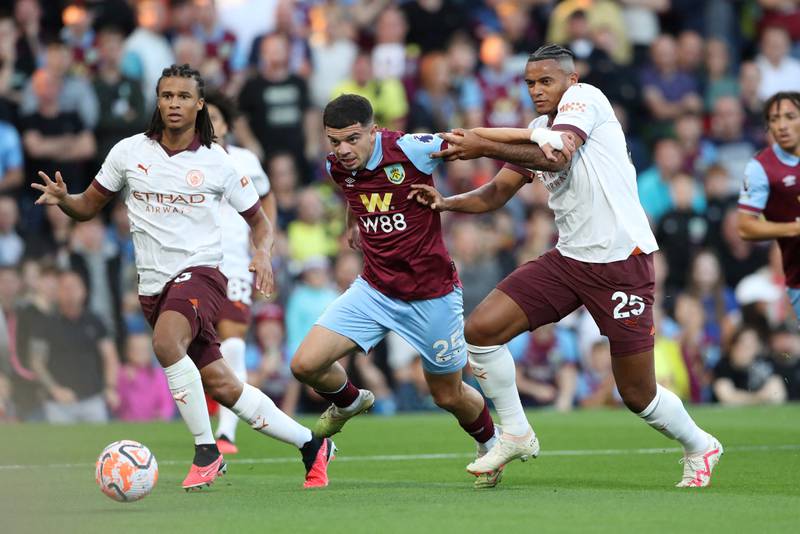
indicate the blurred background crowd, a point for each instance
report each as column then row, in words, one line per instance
column 687, row 79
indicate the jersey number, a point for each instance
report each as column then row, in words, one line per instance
column 623, row 300
column 240, row 291
column 445, row 350
column 386, row 223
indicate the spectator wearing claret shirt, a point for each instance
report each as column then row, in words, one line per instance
column 505, row 99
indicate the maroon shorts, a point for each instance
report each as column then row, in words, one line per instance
column 618, row 295
column 198, row 294
column 236, row 307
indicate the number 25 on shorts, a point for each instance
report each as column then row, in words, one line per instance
column 444, row 350
column 634, row 303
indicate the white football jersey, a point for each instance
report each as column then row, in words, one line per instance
column 235, row 230
column 595, row 201
column 174, row 204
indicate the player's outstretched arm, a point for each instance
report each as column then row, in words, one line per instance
column 466, row 144
column 81, row 207
column 262, row 236
column 754, row 228
column 488, row 197
column 504, row 135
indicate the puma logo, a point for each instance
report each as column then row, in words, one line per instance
column 181, row 396
column 145, row 169
column 259, row 423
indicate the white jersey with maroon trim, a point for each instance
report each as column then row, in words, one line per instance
column 595, row 201
column 173, row 201
column 235, row 230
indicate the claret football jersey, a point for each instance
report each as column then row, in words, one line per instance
column 173, row 201
column 772, row 186
column 404, row 252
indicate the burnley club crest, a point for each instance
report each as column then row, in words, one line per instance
column 395, row 173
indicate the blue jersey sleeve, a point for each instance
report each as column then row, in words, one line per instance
column 755, row 188
column 418, row 149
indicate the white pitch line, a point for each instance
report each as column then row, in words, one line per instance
column 436, row 456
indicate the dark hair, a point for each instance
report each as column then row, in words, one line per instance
column 226, row 106
column 202, row 124
column 346, row 110
column 551, row 51
column 791, row 96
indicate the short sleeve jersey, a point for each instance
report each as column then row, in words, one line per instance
column 235, row 230
column 595, row 200
column 173, row 201
column 772, row 186
column 404, row 252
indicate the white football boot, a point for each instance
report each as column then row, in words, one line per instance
column 697, row 468
column 507, row 449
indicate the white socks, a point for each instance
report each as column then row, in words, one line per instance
column 494, row 369
column 233, row 350
column 186, row 387
column 667, row 414
column 261, row 413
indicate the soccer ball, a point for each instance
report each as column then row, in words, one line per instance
column 126, row 471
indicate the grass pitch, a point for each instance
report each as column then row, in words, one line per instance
column 600, row 471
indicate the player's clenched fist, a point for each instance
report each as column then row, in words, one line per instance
column 52, row 192
column 262, row 267
column 428, row 196
column 354, row 237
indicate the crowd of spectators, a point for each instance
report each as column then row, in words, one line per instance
column 687, row 80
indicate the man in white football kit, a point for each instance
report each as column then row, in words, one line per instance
column 173, row 179
column 602, row 260
column 234, row 315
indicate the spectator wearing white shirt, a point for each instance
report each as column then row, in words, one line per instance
column 779, row 71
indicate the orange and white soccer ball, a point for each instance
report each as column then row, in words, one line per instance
column 126, row 471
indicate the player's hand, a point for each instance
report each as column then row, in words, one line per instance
column 63, row 395
column 462, row 144
column 354, row 237
column 262, row 266
column 52, row 192
column 569, row 148
column 428, row 196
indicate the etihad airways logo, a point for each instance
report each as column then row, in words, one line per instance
column 168, row 202
column 376, row 202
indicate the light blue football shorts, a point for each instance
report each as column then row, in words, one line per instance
column 434, row 327
column 794, row 297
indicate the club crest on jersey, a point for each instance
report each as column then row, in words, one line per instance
column 395, row 173
column 195, row 178
column 790, row 181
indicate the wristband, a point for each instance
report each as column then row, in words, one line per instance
column 546, row 136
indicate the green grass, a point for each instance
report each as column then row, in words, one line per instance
column 755, row 486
